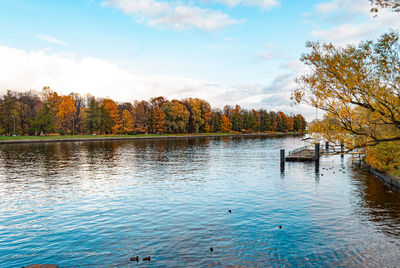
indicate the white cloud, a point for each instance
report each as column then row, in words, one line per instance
column 21, row 70
column 264, row 4
column 175, row 15
column 350, row 21
column 270, row 52
column 343, row 5
column 50, row 39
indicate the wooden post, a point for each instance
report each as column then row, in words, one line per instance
column 341, row 150
column 327, row 146
column 316, row 156
column 317, row 167
column 282, row 159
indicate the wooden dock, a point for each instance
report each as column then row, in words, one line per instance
column 305, row 155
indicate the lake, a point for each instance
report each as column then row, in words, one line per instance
column 97, row 204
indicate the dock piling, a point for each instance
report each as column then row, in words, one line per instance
column 282, row 159
column 341, row 150
column 316, row 156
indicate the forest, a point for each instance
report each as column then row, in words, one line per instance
column 48, row 113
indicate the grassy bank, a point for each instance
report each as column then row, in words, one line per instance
column 68, row 137
column 17, row 139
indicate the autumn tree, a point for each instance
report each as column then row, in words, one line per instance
column 159, row 120
column 45, row 121
column 228, row 111
column 49, row 113
column 299, row 123
column 195, row 118
column 226, row 125
column 111, row 118
column 158, row 101
column 66, row 112
column 127, row 121
column 176, row 117
column 283, row 122
column 140, row 113
column 206, row 115
column 125, row 106
column 357, row 87
column 156, row 116
column 393, row 5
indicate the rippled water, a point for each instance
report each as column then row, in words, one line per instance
column 97, row 204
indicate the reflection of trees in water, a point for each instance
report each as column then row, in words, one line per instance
column 36, row 159
column 68, row 162
column 165, row 158
column 99, row 152
column 161, row 149
column 378, row 203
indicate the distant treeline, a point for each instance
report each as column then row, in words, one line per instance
column 34, row 113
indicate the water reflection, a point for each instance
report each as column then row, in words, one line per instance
column 102, row 202
column 379, row 204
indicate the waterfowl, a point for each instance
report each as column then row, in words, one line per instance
column 229, row 210
column 211, row 249
column 136, row 259
column 146, row 258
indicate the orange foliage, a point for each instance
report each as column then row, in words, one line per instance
column 226, row 125
column 66, row 111
column 110, row 106
column 159, row 118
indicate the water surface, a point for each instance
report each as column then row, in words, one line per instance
column 87, row 204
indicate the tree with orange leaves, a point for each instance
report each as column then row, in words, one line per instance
column 66, row 111
column 226, row 125
column 111, row 119
column 159, row 120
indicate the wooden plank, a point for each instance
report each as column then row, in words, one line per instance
column 306, row 155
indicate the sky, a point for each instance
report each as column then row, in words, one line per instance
column 230, row 52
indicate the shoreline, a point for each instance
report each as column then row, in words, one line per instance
column 386, row 178
column 121, row 138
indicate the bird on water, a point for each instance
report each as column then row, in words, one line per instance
column 136, row 259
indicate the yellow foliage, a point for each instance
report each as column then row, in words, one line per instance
column 226, row 125
column 358, row 89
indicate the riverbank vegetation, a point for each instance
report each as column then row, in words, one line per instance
column 48, row 113
column 358, row 88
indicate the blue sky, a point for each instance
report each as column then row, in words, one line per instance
column 226, row 51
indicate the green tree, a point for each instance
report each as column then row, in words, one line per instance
column 176, row 117
column 216, row 121
column 92, row 115
column 265, row 121
column 237, row 119
column 9, row 111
